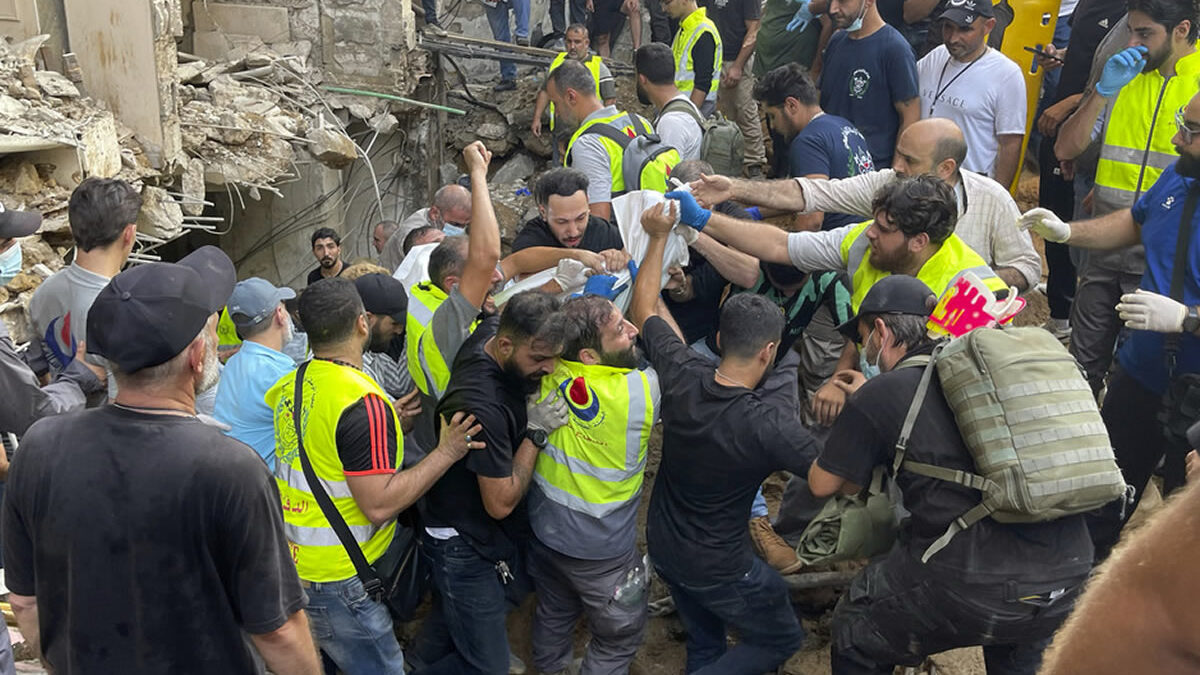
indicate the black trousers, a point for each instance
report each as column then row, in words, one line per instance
column 897, row 612
column 1131, row 414
column 1058, row 195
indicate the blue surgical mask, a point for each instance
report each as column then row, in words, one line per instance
column 10, row 263
column 867, row 368
column 859, row 21
column 453, row 230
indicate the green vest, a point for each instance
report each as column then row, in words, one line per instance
column 329, row 389
column 952, row 259
column 1137, row 136
column 593, row 65
column 690, row 29
column 591, row 472
column 227, row 336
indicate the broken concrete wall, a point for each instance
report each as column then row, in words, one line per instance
column 355, row 42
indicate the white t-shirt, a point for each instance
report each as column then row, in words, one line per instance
column 985, row 100
column 680, row 130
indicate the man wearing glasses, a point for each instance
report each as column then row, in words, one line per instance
column 450, row 213
column 1162, row 314
column 1128, row 112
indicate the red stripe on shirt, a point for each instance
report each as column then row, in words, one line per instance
column 378, row 429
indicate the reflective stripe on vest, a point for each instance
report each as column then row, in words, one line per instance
column 1137, row 135
column 329, row 389
column 696, row 24
column 621, row 121
column 424, row 299
column 593, row 64
column 595, row 464
column 950, row 261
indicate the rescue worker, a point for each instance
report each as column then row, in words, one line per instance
column 351, row 437
column 698, row 54
column 577, row 49
column 573, row 91
column 1135, row 100
column 444, row 311
column 587, row 485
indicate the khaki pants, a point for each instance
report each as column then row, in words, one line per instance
column 738, row 105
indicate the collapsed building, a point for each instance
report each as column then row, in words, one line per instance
column 248, row 125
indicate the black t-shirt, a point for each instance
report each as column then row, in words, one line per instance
column 366, row 437
column 1090, row 23
column 704, row 59
column 719, row 443
column 315, row 275
column 600, row 235
column 699, row 317
column 864, row 437
column 731, row 17
column 478, row 386
column 156, row 541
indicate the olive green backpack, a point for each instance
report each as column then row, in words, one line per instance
column 1029, row 420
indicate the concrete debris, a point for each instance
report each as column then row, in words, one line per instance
column 54, row 84
column 161, row 216
column 517, row 169
column 332, row 148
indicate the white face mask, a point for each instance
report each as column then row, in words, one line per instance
column 10, row 263
column 858, row 23
column 453, row 230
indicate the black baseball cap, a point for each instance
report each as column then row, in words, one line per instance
column 15, row 224
column 894, row 294
column 964, row 12
column 148, row 314
column 383, row 295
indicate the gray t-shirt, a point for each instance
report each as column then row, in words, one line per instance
column 450, row 327
column 59, row 310
column 680, row 130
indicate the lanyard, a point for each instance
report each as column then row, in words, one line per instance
column 940, row 89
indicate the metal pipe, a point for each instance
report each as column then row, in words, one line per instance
column 392, row 97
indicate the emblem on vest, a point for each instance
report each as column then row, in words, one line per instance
column 1170, row 201
column 860, row 81
column 582, row 401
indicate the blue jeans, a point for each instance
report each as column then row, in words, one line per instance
column 757, row 606
column 498, row 20
column 466, row 632
column 352, row 629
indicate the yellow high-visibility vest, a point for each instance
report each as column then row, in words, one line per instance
column 623, row 122
column 690, row 29
column 329, row 389
column 952, row 259
column 1137, row 135
column 227, row 335
column 591, row 471
column 426, row 363
column 593, row 65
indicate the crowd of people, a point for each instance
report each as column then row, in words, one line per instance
column 215, row 475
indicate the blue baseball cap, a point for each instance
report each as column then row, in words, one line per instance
column 254, row 300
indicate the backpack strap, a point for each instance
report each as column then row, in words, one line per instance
column 965, row 478
column 678, row 104
column 610, row 132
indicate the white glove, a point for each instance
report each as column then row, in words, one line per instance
column 1046, row 224
column 1143, row 310
column 570, row 275
column 689, row 234
column 548, row 414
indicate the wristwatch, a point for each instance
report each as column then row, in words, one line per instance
column 540, row 438
column 1191, row 322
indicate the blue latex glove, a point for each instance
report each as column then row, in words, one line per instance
column 690, row 213
column 753, row 212
column 1120, row 69
column 802, row 18
column 633, row 270
column 600, row 284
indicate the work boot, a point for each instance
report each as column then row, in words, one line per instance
column 435, row 29
column 505, row 85
column 522, row 41
column 772, row 548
